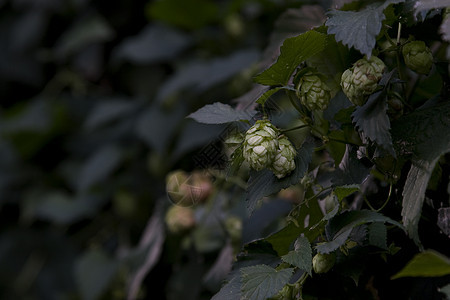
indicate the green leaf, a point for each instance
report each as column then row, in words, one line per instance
column 414, row 195
column 264, row 97
column 237, row 158
column 282, row 240
column 261, row 282
column 219, row 113
column 351, row 170
column 93, row 272
column 429, row 263
column 372, row 119
column 378, row 235
column 358, row 29
column 293, row 51
column 301, row 256
column 423, row 133
column 340, row 227
column 345, row 190
column 190, row 14
column 264, row 183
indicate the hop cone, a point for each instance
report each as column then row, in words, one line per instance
column 323, row 263
column 418, row 57
column 313, row 92
column 362, row 79
column 284, row 163
column 260, row 145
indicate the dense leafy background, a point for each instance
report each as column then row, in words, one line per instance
column 94, row 99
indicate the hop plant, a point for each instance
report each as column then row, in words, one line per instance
column 362, row 79
column 322, row 263
column 313, row 92
column 260, row 145
column 284, row 163
column 418, row 57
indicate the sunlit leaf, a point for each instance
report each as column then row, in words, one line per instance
column 428, row 263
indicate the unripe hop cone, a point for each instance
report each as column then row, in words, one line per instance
column 284, row 163
column 418, row 57
column 313, row 92
column 362, row 79
column 179, row 219
column 261, row 145
column 322, row 263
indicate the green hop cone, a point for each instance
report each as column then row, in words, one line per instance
column 284, row 163
column 322, row 263
column 260, row 145
column 313, row 92
column 418, row 57
column 361, row 80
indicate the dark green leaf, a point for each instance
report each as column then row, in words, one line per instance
column 293, row 51
column 264, row 183
column 423, row 133
column 190, row 14
column 373, row 121
column 155, row 43
column 309, row 215
column 219, row 113
column 345, row 190
column 99, row 166
column 93, row 272
column 378, row 235
column 340, row 227
column 231, row 290
column 351, row 170
column 301, row 256
column 414, row 195
column 261, row 282
column 429, row 263
column 358, row 29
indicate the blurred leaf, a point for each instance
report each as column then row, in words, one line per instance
column 190, row 14
column 264, row 183
column 199, row 75
column 443, row 220
column 428, row 263
column 28, row 31
column 445, row 290
column 99, row 166
column 155, row 43
column 378, row 235
column 261, row 282
column 109, row 111
column 59, row 207
column 93, row 272
column 219, row 113
column 88, row 30
column 301, row 256
column 294, row 51
column 156, row 126
column 35, row 116
column 220, row 269
column 445, row 27
column 428, row 5
column 358, row 29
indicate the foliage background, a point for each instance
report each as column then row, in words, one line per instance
column 94, row 96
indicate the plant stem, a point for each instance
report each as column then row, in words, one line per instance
column 294, row 128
